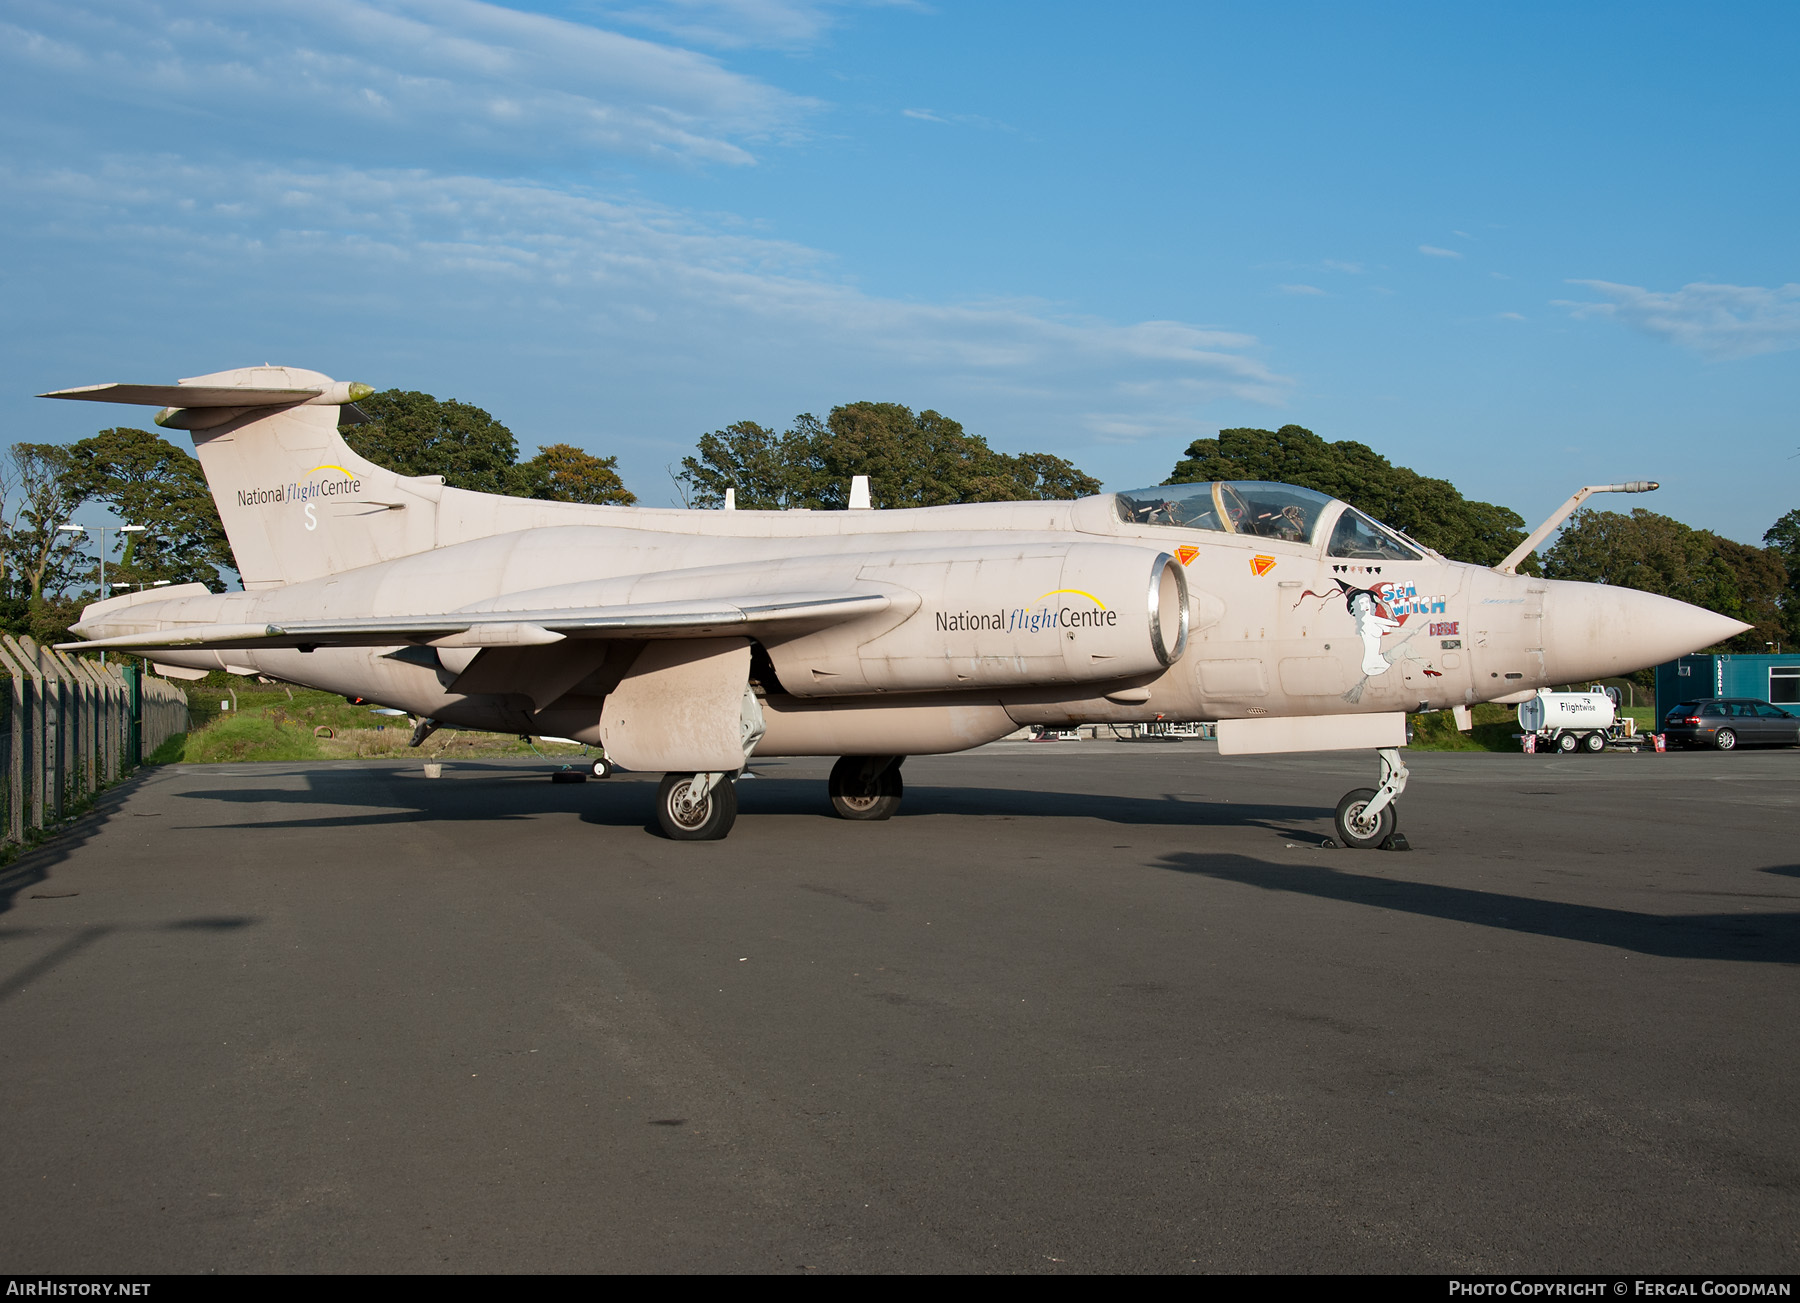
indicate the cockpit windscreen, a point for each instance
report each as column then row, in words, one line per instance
column 1361, row 539
column 1254, row 507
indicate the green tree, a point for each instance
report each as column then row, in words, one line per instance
column 564, row 473
column 39, row 557
column 912, row 459
column 1783, row 539
column 766, row 471
column 1658, row 554
column 1430, row 510
column 148, row 481
column 416, row 434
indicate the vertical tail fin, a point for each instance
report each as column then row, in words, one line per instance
column 295, row 501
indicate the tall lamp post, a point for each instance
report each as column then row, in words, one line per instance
column 103, row 531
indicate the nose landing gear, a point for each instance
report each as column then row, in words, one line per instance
column 696, row 807
column 1366, row 817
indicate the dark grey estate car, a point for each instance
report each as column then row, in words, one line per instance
column 1727, row 722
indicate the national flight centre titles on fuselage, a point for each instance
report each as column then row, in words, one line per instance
column 1024, row 619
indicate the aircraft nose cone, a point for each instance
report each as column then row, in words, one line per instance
column 1596, row 630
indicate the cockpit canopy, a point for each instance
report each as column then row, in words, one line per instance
column 1263, row 510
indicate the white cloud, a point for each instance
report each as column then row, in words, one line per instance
column 1512, row 316
column 733, row 24
column 1302, row 289
column 956, row 119
column 461, row 71
column 578, row 272
column 1348, row 268
column 1432, row 251
column 1718, row 321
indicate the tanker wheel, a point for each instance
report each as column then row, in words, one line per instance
column 856, row 794
column 1566, row 743
column 1594, row 743
column 686, row 820
column 1353, row 830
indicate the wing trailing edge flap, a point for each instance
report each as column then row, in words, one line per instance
column 775, row 612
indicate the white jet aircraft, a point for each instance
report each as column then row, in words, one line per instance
column 684, row 642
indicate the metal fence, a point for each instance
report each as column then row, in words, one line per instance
column 72, row 727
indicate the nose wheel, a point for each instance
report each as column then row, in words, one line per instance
column 696, row 807
column 1367, row 817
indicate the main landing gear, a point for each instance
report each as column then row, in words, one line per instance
column 702, row 807
column 1366, row 818
column 867, row 787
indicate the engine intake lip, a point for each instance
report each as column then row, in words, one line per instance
column 1168, row 602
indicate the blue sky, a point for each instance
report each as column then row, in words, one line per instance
column 1523, row 247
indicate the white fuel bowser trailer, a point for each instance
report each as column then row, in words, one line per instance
column 1571, row 721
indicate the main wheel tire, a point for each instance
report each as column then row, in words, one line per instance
column 854, row 796
column 602, row 767
column 1351, row 832
column 705, row 820
column 1593, row 743
column 1726, row 740
column 1566, row 743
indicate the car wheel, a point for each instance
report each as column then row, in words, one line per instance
column 1352, row 830
column 1594, row 743
column 1567, row 742
column 1725, row 740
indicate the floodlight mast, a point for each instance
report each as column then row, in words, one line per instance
column 1562, row 513
column 70, row 527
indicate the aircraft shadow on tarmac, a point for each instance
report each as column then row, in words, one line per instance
column 629, row 802
column 82, row 938
column 1755, row 938
column 33, row 866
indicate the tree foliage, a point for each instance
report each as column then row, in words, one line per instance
column 1657, row 554
column 148, row 481
column 1430, row 510
column 144, row 480
column 912, row 459
column 1783, row 539
column 562, row 472
column 38, row 556
column 416, row 434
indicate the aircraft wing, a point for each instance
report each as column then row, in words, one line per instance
column 785, row 612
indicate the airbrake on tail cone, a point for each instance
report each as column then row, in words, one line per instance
column 685, row 641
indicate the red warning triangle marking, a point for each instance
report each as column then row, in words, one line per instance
column 1261, row 565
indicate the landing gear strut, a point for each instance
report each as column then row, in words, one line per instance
column 696, row 807
column 1366, row 817
column 867, row 787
